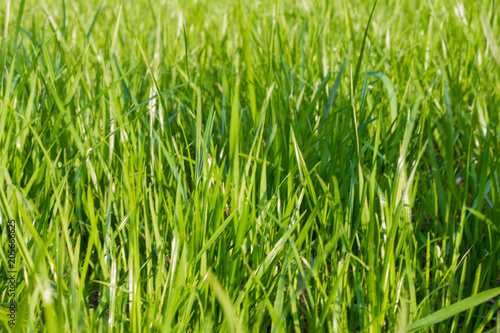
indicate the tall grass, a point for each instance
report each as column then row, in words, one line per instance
column 251, row 165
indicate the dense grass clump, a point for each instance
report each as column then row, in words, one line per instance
column 318, row 166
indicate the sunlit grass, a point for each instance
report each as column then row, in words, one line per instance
column 251, row 166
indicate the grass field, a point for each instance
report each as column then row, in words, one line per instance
column 229, row 166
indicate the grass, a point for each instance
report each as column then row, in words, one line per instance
column 251, row 165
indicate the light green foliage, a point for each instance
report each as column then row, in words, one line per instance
column 222, row 166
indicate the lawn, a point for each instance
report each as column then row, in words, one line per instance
column 250, row 166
